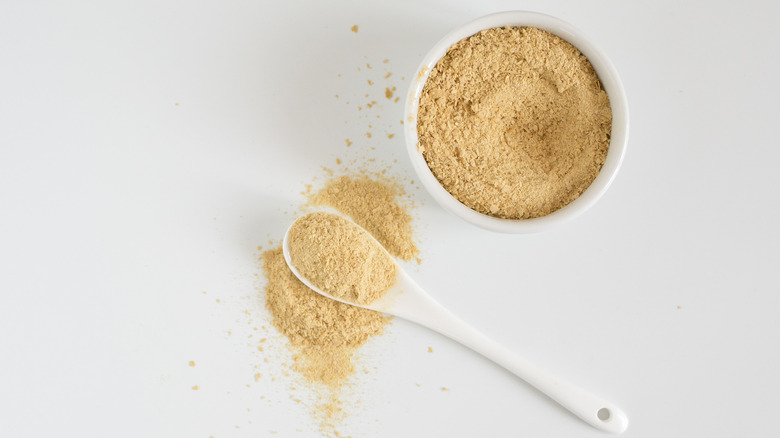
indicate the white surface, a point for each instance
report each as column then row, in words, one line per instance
column 610, row 80
column 118, row 209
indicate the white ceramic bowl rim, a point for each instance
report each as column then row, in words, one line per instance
column 609, row 79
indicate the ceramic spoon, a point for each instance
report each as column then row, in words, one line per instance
column 408, row 301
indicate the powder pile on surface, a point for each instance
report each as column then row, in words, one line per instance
column 325, row 335
column 325, row 332
column 340, row 258
column 514, row 122
column 372, row 204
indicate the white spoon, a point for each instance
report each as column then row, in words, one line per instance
column 407, row 300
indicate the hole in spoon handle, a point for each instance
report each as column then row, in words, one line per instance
column 595, row 411
column 607, row 418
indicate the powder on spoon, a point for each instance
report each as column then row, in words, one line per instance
column 340, row 258
column 372, row 204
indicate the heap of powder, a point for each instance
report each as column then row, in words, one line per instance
column 514, row 122
column 340, row 258
column 325, row 332
column 372, row 204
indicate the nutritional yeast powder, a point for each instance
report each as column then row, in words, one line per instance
column 514, row 122
column 340, row 258
column 373, row 204
column 325, row 334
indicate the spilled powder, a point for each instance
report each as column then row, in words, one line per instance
column 340, row 258
column 324, row 334
column 514, row 122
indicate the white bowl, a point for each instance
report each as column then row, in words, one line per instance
column 609, row 79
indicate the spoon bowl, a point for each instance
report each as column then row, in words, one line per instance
column 407, row 300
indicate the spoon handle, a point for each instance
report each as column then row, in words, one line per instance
column 417, row 306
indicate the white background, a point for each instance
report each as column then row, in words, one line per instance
column 120, row 208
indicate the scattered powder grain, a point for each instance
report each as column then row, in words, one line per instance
column 374, row 205
column 514, row 122
column 340, row 258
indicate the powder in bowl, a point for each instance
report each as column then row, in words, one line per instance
column 340, row 258
column 514, row 122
